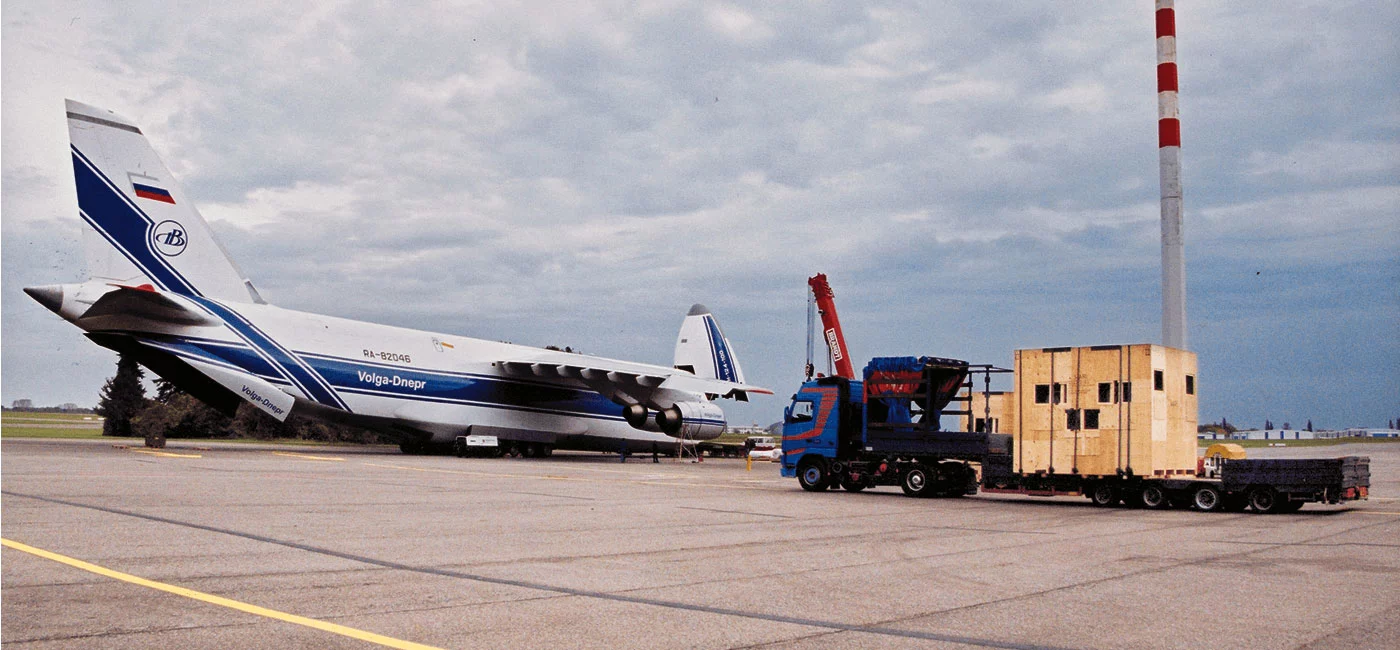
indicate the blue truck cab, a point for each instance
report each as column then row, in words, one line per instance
column 812, row 424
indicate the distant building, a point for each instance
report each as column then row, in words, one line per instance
column 68, row 406
column 1276, row 434
column 24, row 404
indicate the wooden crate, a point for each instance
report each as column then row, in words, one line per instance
column 1154, row 434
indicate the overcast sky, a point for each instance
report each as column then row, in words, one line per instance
column 974, row 177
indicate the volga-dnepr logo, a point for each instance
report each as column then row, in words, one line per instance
column 169, row 238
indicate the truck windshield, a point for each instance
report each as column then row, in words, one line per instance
column 800, row 411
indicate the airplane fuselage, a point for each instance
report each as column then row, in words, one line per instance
column 370, row 374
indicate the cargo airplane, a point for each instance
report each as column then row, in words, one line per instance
column 165, row 292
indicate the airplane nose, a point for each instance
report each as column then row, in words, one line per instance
column 50, row 296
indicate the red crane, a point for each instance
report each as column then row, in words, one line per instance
column 831, row 327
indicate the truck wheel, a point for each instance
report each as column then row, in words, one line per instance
column 1152, row 496
column 917, row 482
column 852, row 485
column 952, row 479
column 1207, row 498
column 1104, row 495
column 811, row 473
column 1265, row 500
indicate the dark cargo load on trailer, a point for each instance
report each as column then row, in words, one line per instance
column 904, row 398
column 1300, row 479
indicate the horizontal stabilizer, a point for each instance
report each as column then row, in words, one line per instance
column 151, row 305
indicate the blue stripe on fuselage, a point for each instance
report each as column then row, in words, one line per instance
column 290, row 365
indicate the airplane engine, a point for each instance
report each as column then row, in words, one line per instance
column 636, row 415
column 691, row 420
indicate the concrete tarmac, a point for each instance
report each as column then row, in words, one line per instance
column 580, row 551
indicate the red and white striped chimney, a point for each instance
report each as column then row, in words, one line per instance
column 1169, row 150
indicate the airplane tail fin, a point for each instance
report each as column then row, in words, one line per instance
column 702, row 349
column 139, row 225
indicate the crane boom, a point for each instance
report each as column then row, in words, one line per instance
column 831, row 326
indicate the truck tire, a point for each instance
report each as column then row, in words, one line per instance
column 1206, row 498
column 1104, row 495
column 953, row 478
column 917, row 482
column 811, row 474
column 1265, row 500
column 1152, row 497
column 852, row 485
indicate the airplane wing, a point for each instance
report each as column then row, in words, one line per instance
column 629, row 383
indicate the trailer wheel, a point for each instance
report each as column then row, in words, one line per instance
column 1207, row 498
column 1265, row 500
column 1104, row 495
column 1152, row 496
column 811, row 474
column 917, row 482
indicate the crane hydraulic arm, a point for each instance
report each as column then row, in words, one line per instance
column 831, row 326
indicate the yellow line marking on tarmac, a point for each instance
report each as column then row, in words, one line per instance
column 577, row 479
column 307, row 456
column 164, row 454
column 1376, row 512
column 217, row 600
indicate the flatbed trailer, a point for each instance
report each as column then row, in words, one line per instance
column 1264, row 485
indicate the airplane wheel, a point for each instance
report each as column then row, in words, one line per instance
column 411, row 447
column 530, row 449
column 546, row 451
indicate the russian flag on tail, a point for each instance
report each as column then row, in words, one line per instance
column 147, row 191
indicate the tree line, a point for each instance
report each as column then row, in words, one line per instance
column 173, row 413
